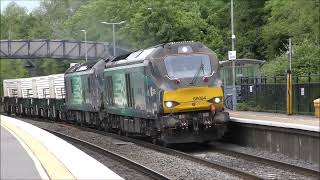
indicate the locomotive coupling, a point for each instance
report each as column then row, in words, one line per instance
column 213, row 109
column 221, row 117
column 170, row 121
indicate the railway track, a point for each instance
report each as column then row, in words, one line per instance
column 219, row 150
column 129, row 163
column 143, row 143
column 180, row 154
column 218, row 165
column 268, row 161
column 221, row 166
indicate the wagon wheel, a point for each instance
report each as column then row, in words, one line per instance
column 127, row 134
column 119, row 132
column 154, row 140
column 165, row 144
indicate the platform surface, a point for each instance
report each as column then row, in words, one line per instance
column 309, row 123
column 28, row 152
column 14, row 158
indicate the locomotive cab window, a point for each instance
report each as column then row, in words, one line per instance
column 187, row 66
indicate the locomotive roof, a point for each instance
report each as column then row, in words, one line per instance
column 140, row 55
column 81, row 67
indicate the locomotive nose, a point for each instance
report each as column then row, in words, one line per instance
column 192, row 99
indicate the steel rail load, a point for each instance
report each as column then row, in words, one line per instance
column 170, row 92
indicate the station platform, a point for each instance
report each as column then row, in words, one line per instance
column 308, row 123
column 28, row 152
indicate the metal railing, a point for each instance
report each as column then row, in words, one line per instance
column 269, row 93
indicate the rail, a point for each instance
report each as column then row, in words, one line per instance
column 276, row 163
column 134, row 165
column 214, row 165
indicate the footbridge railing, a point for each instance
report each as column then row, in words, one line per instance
column 56, row 49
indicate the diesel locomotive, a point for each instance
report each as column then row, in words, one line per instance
column 170, row 92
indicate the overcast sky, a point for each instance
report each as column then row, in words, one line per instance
column 28, row 4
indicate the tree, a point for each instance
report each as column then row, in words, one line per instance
column 262, row 27
column 250, row 18
column 296, row 19
column 11, row 69
column 12, row 22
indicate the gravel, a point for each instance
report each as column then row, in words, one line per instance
column 263, row 170
column 211, row 152
column 117, row 167
column 269, row 155
column 168, row 165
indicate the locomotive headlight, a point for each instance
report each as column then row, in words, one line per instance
column 217, row 100
column 185, row 49
column 169, row 104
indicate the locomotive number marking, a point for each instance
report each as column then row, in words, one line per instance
column 199, row 98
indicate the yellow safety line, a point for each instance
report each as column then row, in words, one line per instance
column 54, row 168
column 43, row 174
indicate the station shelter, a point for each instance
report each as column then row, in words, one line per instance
column 243, row 68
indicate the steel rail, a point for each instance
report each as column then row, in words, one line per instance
column 269, row 161
column 182, row 155
column 129, row 163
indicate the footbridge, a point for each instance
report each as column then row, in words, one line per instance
column 55, row 49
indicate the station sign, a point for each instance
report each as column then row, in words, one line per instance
column 232, row 55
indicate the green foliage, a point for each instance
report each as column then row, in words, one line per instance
column 13, row 22
column 154, row 22
column 277, row 66
column 306, row 57
column 296, row 19
column 11, row 69
column 305, row 60
column 262, row 27
column 250, row 18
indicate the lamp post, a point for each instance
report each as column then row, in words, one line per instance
column 233, row 38
column 113, row 34
column 85, row 43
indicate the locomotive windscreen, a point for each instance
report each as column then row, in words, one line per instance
column 188, row 66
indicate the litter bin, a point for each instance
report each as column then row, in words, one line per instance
column 317, row 107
